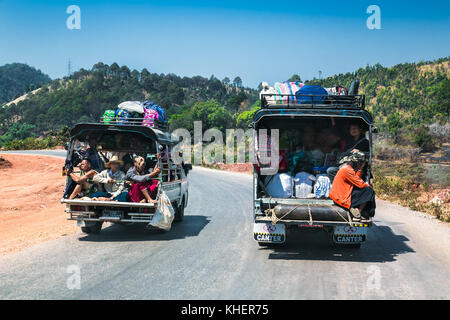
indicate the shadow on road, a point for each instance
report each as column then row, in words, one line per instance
column 191, row 226
column 382, row 246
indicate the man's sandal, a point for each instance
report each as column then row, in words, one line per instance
column 355, row 213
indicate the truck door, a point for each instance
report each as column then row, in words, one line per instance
column 171, row 175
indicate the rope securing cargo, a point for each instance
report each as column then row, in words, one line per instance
column 270, row 212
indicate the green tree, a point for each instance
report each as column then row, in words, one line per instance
column 212, row 114
column 295, row 78
column 237, row 82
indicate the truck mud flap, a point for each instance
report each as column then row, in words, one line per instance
column 349, row 234
column 268, row 233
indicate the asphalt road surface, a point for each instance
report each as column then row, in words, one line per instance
column 212, row 255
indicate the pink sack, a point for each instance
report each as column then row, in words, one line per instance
column 150, row 116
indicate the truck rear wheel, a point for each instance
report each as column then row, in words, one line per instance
column 179, row 212
column 348, row 246
column 95, row 228
column 270, row 244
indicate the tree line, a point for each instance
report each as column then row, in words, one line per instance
column 404, row 99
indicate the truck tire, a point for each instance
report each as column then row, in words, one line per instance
column 348, row 246
column 95, row 229
column 179, row 212
column 270, row 245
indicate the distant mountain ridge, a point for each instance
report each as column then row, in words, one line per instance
column 86, row 94
column 402, row 98
column 18, row 78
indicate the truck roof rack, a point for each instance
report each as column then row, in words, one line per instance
column 306, row 101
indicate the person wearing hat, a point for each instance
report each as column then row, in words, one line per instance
column 113, row 182
column 350, row 191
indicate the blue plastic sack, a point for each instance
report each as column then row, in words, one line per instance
column 148, row 104
column 160, row 111
column 304, row 94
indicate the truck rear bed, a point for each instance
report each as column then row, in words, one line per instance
column 112, row 211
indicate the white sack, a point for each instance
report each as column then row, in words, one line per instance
column 164, row 213
column 280, row 185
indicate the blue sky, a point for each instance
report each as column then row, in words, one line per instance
column 257, row 40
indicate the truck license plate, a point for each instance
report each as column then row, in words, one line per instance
column 111, row 215
column 348, row 234
column 266, row 232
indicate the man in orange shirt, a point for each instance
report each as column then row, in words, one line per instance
column 351, row 192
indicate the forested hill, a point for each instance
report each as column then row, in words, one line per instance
column 18, row 78
column 85, row 95
column 404, row 96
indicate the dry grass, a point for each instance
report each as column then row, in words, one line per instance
column 408, row 184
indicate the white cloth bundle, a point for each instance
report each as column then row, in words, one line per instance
column 280, row 185
column 132, row 106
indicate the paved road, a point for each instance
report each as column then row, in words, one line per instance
column 56, row 153
column 211, row 255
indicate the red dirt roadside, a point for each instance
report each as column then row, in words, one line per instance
column 30, row 212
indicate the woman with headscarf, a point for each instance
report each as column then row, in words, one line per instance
column 143, row 185
column 351, row 192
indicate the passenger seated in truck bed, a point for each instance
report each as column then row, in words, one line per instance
column 113, row 182
column 83, row 179
column 351, row 192
column 93, row 155
column 355, row 142
column 143, row 186
column 356, row 139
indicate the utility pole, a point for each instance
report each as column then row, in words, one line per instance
column 69, row 68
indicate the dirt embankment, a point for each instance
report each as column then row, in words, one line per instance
column 30, row 212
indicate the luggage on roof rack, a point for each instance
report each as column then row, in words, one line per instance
column 298, row 95
column 299, row 100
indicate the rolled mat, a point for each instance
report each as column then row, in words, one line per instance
column 318, row 212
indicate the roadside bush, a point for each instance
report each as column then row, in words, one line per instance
column 386, row 152
column 442, row 132
column 31, row 143
column 388, row 185
column 423, row 139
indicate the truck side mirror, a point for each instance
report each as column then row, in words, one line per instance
column 66, row 145
column 374, row 129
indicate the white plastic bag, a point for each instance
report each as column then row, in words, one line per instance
column 132, row 106
column 280, row 185
column 303, row 184
column 270, row 93
column 322, row 186
column 164, row 214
